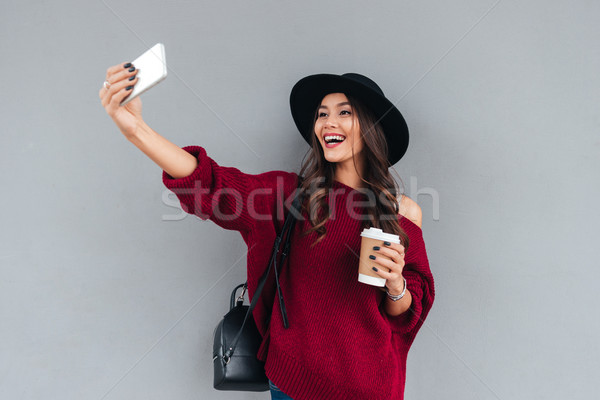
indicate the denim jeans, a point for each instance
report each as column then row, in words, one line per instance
column 276, row 393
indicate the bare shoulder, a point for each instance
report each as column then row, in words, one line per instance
column 411, row 210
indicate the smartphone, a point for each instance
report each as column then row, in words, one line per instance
column 151, row 69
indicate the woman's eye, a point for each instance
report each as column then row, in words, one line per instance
column 322, row 114
column 345, row 112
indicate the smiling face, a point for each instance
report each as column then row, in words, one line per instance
column 337, row 121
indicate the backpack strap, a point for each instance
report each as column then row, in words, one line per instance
column 286, row 231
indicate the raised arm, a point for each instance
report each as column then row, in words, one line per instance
column 232, row 199
column 175, row 161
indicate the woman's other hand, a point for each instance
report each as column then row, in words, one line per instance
column 395, row 281
column 394, row 278
column 120, row 81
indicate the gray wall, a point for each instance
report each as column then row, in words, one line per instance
column 106, row 294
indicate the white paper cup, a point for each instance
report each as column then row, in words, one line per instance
column 372, row 237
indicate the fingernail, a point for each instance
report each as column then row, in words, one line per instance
column 132, row 77
column 376, row 247
column 129, row 88
column 375, row 269
column 127, row 65
column 372, row 257
column 131, row 69
column 387, row 243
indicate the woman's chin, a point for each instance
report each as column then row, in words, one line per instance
column 330, row 158
column 336, row 160
column 337, row 155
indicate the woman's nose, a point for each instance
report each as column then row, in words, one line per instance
column 330, row 121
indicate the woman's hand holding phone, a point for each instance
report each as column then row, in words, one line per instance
column 120, row 81
column 168, row 156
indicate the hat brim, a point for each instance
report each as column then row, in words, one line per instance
column 308, row 92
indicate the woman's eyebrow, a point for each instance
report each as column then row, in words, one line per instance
column 345, row 103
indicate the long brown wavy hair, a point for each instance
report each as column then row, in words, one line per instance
column 317, row 175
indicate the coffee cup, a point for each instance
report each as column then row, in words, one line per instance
column 373, row 237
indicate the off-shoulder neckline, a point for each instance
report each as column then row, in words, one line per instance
column 400, row 198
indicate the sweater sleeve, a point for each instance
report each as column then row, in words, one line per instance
column 232, row 199
column 419, row 281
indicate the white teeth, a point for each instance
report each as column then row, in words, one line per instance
column 330, row 138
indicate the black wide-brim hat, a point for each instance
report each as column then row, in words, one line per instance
column 308, row 92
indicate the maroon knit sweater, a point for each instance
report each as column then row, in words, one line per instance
column 340, row 344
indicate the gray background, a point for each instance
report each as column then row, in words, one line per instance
column 105, row 293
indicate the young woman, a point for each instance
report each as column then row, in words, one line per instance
column 346, row 339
